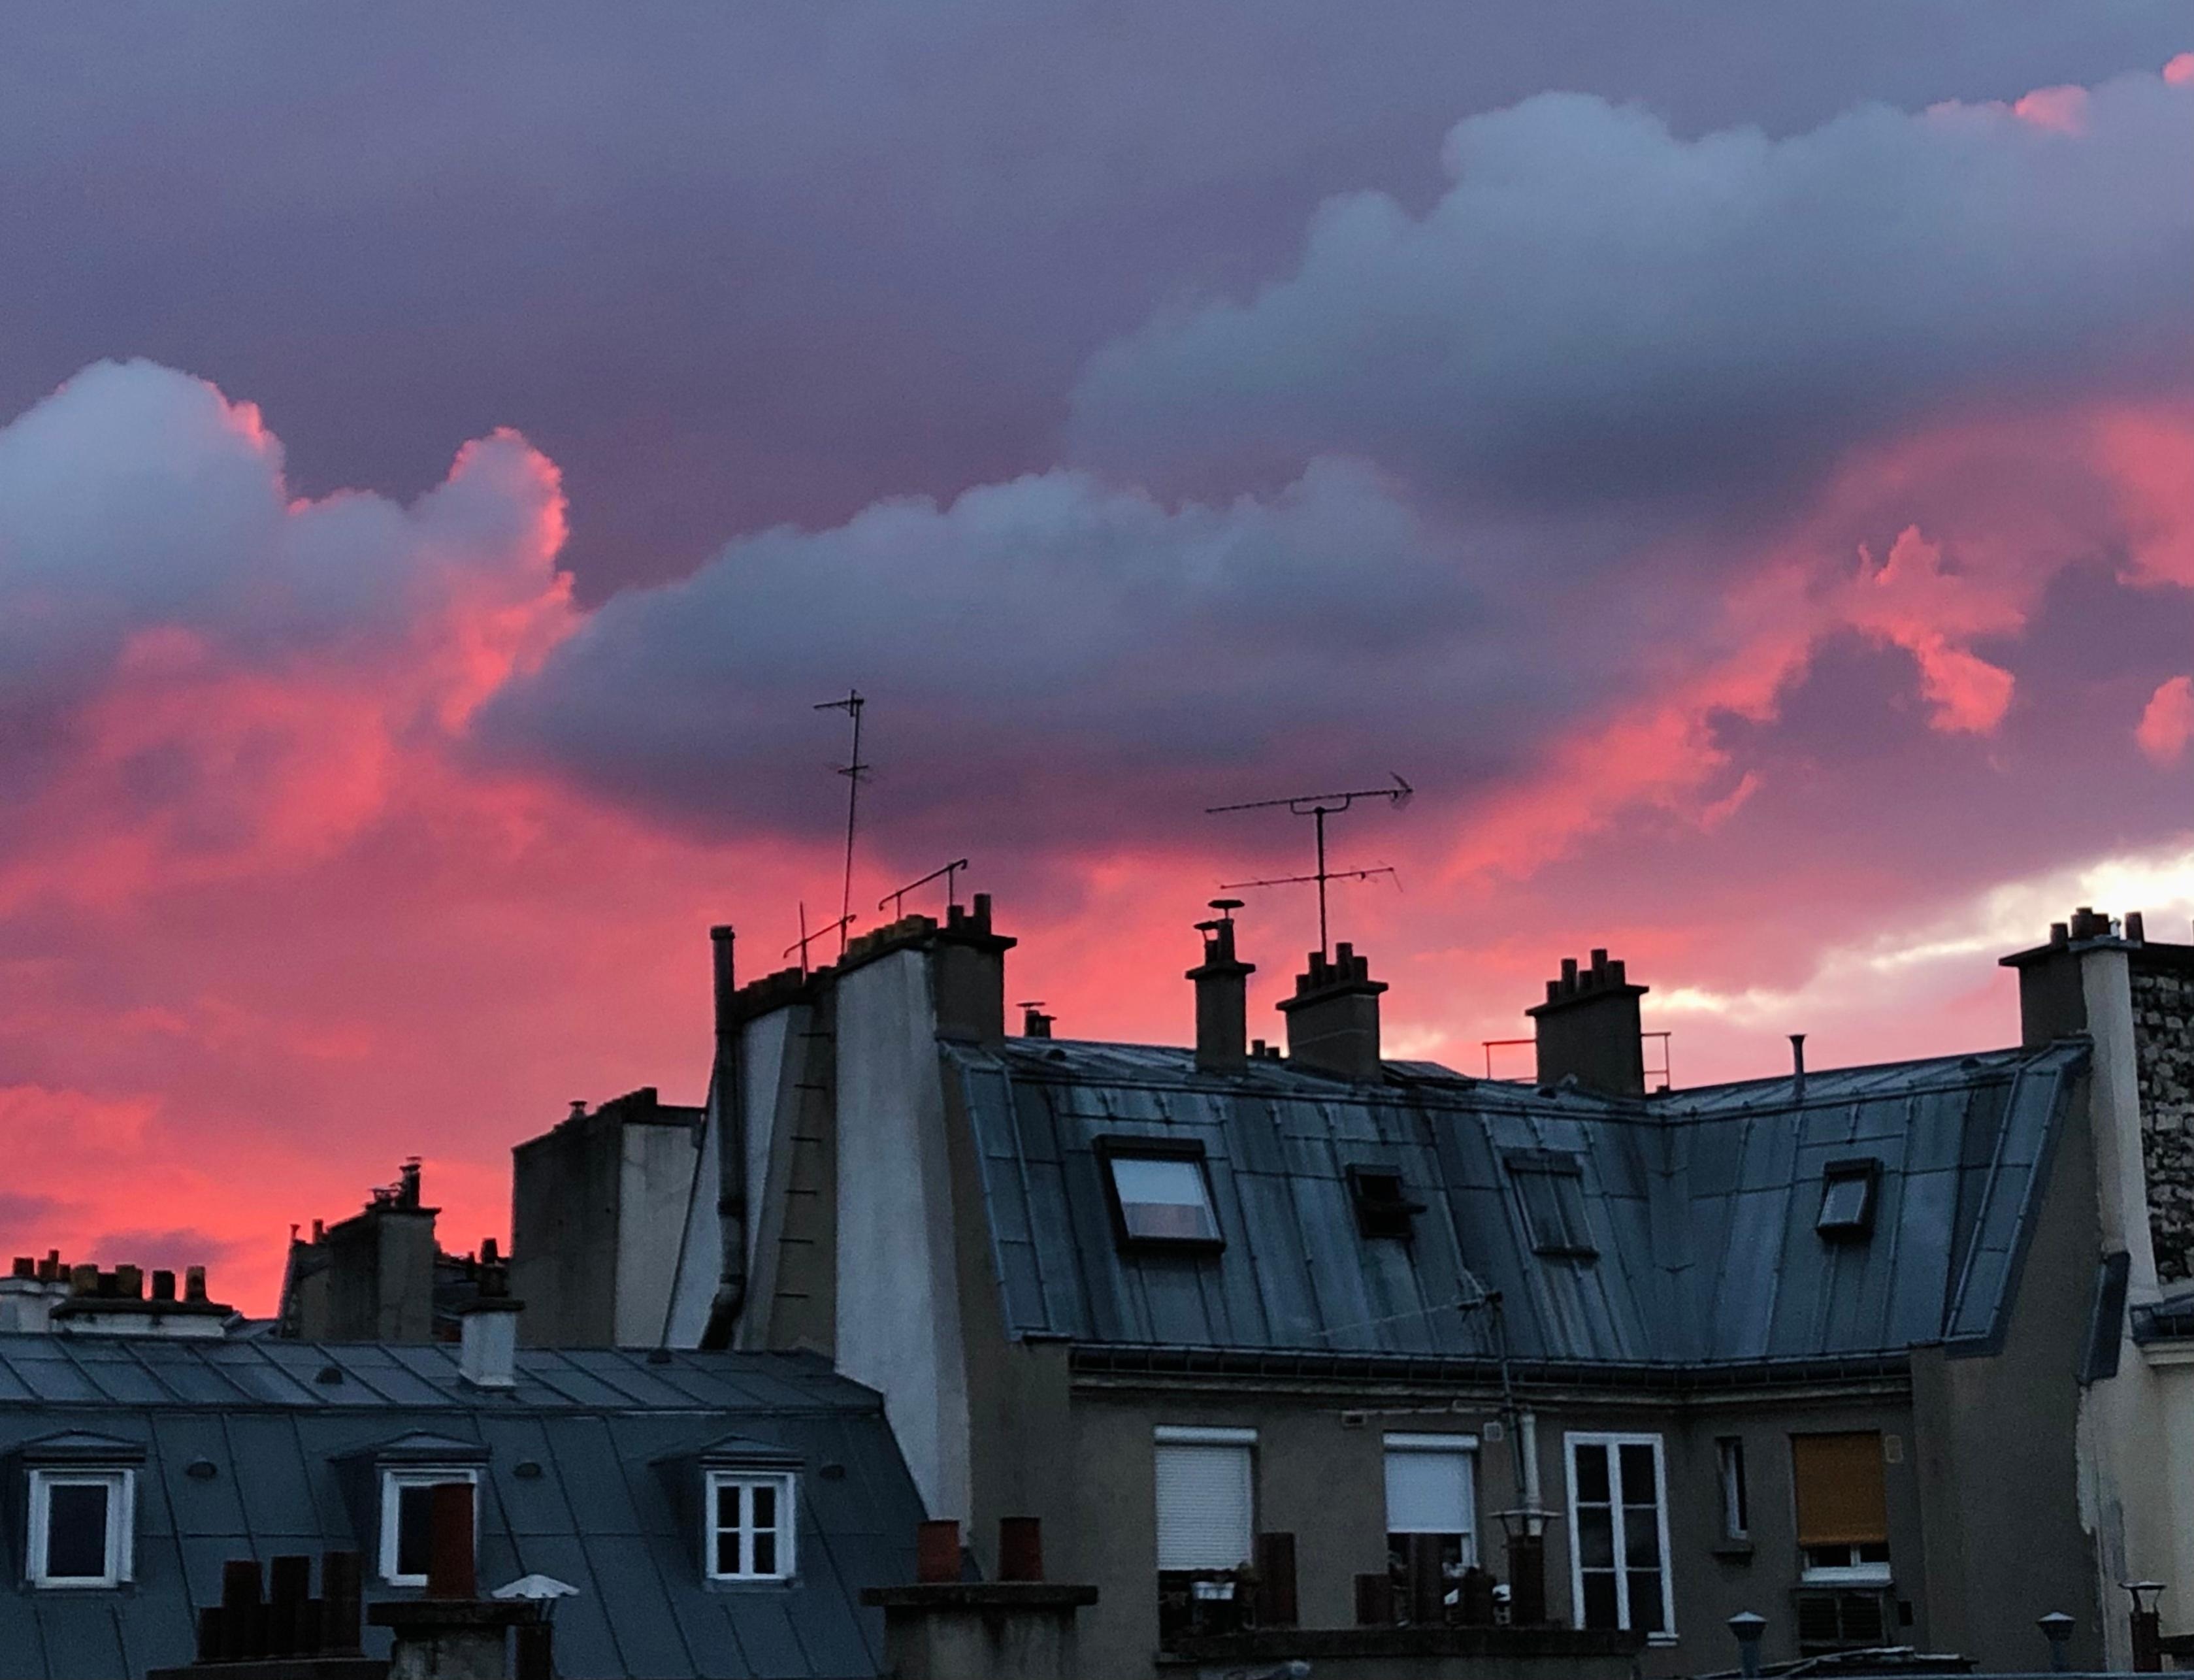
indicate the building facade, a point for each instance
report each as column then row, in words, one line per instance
column 1330, row 1355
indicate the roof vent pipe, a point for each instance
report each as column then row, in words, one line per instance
column 1222, row 994
column 728, row 1115
column 1798, row 1064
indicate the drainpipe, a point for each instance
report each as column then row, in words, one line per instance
column 727, row 1113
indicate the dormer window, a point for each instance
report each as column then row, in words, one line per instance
column 1551, row 1185
column 1160, row 1192
column 81, row 1527
column 407, row 1518
column 1383, row 1207
column 1847, row 1197
column 750, row 1525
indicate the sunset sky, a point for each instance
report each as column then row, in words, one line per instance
column 1741, row 473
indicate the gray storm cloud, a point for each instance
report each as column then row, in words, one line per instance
column 1597, row 306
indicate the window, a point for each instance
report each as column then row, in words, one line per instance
column 749, row 1525
column 1161, row 1197
column 1847, row 1197
column 1383, row 1207
column 1619, row 1530
column 1843, row 1512
column 1736, row 1514
column 407, row 1520
column 1432, row 1501
column 81, row 1525
column 1206, row 1525
column 1552, row 1188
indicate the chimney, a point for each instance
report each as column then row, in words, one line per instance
column 2080, row 982
column 1798, row 1064
column 487, row 1336
column 1333, row 1018
column 1588, row 1029
column 1222, row 994
column 969, row 975
column 1035, row 1023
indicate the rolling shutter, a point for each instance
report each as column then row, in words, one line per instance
column 1841, row 1500
column 1205, row 1501
column 1428, row 1488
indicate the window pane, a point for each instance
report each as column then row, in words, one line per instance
column 76, row 1531
column 1591, row 1474
column 765, row 1550
column 1637, row 1478
column 1164, row 1199
column 1569, row 1206
column 415, row 1528
column 1646, row 1600
column 1595, row 1537
column 1843, row 1201
column 765, row 1505
column 1641, row 1536
column 728, row 1504
column 1735, row 1519
column 1600, row 1608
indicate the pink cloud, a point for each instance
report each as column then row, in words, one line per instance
column 2167, row 721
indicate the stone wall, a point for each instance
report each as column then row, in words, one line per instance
column 2164, row 1037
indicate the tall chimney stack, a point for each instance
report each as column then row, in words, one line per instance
column 1333, row 1018
column 1222, row 994
column 969, row 974
column 1589, row 1029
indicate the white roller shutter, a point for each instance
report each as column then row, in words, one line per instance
column 1205, row 1496
column 1428, row 1485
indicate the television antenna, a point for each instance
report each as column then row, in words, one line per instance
column 808, row 939
column 852, row 770
column 1318, row 807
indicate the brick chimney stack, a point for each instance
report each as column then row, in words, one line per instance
column 1589, row 1029
column 1223, row 995
column 1333, row 1018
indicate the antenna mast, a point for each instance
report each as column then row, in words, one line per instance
column 1318, row 807
column 852, row 770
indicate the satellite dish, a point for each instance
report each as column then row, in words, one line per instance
column 537, row 1588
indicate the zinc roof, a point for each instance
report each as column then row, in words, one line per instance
column 1701, row 1207
column 251, row 1450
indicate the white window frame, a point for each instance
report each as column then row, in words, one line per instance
column 121, row 1486
column 1614, row 1443
column 392, row 1482
column 1854, row 1574
column 787, row 1487
column 1736, row 1488
column 1466, row 1445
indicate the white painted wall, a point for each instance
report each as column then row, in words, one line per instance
column 898, row 1306
column 699, row 1264
column 700, row 1260
column 655, row 1188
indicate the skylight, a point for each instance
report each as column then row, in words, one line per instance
column 1161, row 1196
column 1552, row 1189
column 1847, row 1197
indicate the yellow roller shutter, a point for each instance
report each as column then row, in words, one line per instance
column 1839, row 1494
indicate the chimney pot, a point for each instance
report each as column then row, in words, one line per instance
column 937, row 1551
column 194, row 1283
column 2136, row 927
column 1798, row 1060
column 129, row 1282
column 163, row 1285
column 1021, row 1549
column 26, row 1267
column 1222, row 996
column 84, row 1280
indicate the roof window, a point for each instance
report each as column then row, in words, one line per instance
column 749, row 1525
column 407, row 1518
column 1383, row 1207
column 1551, row 1185
column 1847, row 1197
column 81, row 1527
column 1160, row 1192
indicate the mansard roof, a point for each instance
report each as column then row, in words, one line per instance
column 1702, row 1208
